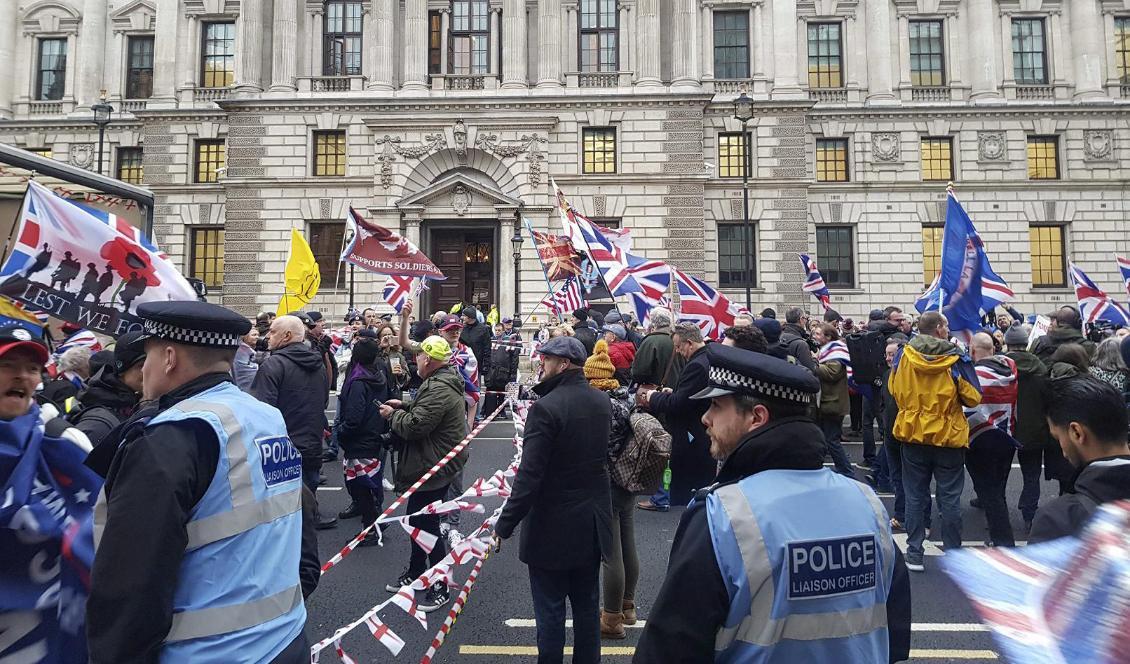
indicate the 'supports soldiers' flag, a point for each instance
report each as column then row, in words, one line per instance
column 375, row 248
column 557, row 255
column 302, row 276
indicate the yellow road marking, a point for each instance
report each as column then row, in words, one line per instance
column 627, row 651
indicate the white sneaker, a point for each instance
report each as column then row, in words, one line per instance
column 454, row 537
column 387, row 485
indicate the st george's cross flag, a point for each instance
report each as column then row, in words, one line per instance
column 1124, row 269
column 384, row 635
column 397, row 290
column 375, row 248
column 85, row 266
column 814, row 282
column 1094, row 303
column 702, row 305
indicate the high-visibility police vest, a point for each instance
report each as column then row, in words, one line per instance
column 238, row 596
column 807, row 557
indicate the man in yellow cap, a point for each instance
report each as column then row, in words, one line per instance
column 431, row 425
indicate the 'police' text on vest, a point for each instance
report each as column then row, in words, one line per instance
column 823, row 568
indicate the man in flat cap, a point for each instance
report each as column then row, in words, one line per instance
column 562, row 497
column 198, row 528
column 782, row 559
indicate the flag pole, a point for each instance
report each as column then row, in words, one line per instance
column 337, row 274
column 588, row 249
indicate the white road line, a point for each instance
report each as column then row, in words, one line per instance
column 932, row 549
column 916, row 627
column 329, row 488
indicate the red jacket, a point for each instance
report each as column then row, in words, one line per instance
column 622, row 353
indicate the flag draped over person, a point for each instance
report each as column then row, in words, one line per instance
column 966, row 287
column 303, row 277
column 85, row 265
column 1094, row 303
column 814, row 282
column 374, row 248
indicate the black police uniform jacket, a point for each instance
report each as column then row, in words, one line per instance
column 156, row 478
column 693, row 603
column 562, row 485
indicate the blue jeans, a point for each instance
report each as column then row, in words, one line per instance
column 661, row 498
column 833, row 428
column 550, row 587
column 882, row 473
column 893, row 454
column 946, row 465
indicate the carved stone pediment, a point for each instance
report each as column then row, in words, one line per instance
column 136, row 16
column 50, row 17
column 459, row 192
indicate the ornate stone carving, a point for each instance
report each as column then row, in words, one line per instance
column 1098, row 145
column 530, row 144
column 392, row 148
column 460, row 199
column 81, row 155
column 992, row 146
column 885, row 146
column 460, row 134
column 386, row 157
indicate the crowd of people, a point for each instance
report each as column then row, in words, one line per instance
column 209, row 437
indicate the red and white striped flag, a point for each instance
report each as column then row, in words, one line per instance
column 567, row 299
column 423, row 538
column 386, row 636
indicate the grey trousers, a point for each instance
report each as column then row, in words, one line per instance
column 622, row 569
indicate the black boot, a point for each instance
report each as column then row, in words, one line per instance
column 351, row 512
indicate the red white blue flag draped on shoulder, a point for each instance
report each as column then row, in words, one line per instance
column 1094, row 303
column 814, row 282
column 966, row 286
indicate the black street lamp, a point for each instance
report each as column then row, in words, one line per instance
column 102, row 112
column 516, row 244
column 743, row 113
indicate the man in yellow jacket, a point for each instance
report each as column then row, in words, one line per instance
column 931, row 381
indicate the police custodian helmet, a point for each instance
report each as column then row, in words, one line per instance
column 193, row 323
column 739, row 371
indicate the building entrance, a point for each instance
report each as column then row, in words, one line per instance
column 469, row 258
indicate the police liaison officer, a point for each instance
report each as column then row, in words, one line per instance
column 782, row 560
column 197, row 530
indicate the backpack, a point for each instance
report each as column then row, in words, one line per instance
column 639, row 468
column 868, row 351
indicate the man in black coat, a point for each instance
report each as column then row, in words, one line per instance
column 113, row 393
column 583, row 330
column 476, row 336
column 1088, row 418
column 562, row 485
column 692, row 467
column 293, row 379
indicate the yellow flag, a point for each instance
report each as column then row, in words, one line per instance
column 302, row 276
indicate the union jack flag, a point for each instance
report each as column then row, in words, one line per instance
column 83, row 339
column 567, row 298
column 999, row 390
column 464, row 360
column 1094, row 303
column 653, row 277
column 1124, row 268
column 608, row 254
column 814, row 282
column 836, row 351
column 643, row 306
column 397, row 291
column 558, row 257
column 710, row 310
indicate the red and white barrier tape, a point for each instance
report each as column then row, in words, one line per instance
column 456, row 609
column 403, row 498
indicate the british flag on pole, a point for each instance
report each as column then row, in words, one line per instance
column 702, row 305
column 397, row 290
column 814, row 282
column 1124, row 268
column 1094, row 303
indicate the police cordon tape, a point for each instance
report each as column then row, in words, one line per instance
column 403, row 498
column 477, row 545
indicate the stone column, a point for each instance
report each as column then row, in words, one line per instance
column 514, row 74
column 190, row 53
column 444, row 51
column 492, row 43
column 92, row 52
column 381, row 73
column 249, row 49
column 647, row 27
column 165, row 51
column 951, row 32
column 1086, row 53
column 879, row 87
column 284, row 66
column 982, row 50
column 757, row 38
column 904, row 53
column 624, row 45
column 685, row 69
column 506, row 273
column 549, row 44
column 116, row 51
column 570, row 51
column 8, row 42
column 786, row 82
column 706, row 21
column 416, row 46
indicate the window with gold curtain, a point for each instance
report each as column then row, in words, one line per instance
column 1049, row 260
column 931, row 252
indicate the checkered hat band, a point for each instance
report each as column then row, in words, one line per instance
column 192, row 337
column 731, row 380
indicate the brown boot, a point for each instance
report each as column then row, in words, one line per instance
column 629, row 612
column 611, row 625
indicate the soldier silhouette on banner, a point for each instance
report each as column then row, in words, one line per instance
column 134, row 287
column 89, row 283
column 41, row 261
column 68, row 269
column 104, row 282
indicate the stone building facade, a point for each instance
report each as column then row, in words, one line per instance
column 445, row 119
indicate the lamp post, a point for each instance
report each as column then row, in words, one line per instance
column 743, row 113
column 102, row 112
column 516, row 245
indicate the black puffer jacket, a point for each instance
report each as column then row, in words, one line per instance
column 477, row 338
column 104, row 404
column 360, row 427
column 293, row 379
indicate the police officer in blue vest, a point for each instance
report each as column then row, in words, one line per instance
column 782, row 560
column 198, row 529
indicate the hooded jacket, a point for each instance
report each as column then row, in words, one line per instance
column 1100, row 481
column 1031, row 424
column 693, row 602
column 360, row 426
column 931, row 381
column 431, row 425
column 796, row 344
column 477, row 338
column 103, row 405
column 1045, row 346
column 293, row 379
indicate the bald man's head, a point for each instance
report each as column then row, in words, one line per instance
column 982, row 346
column 285, row 330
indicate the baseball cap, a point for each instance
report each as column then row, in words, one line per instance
column 436, row 348
column 129, row 350
column 13, row 337
column 450, row 321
